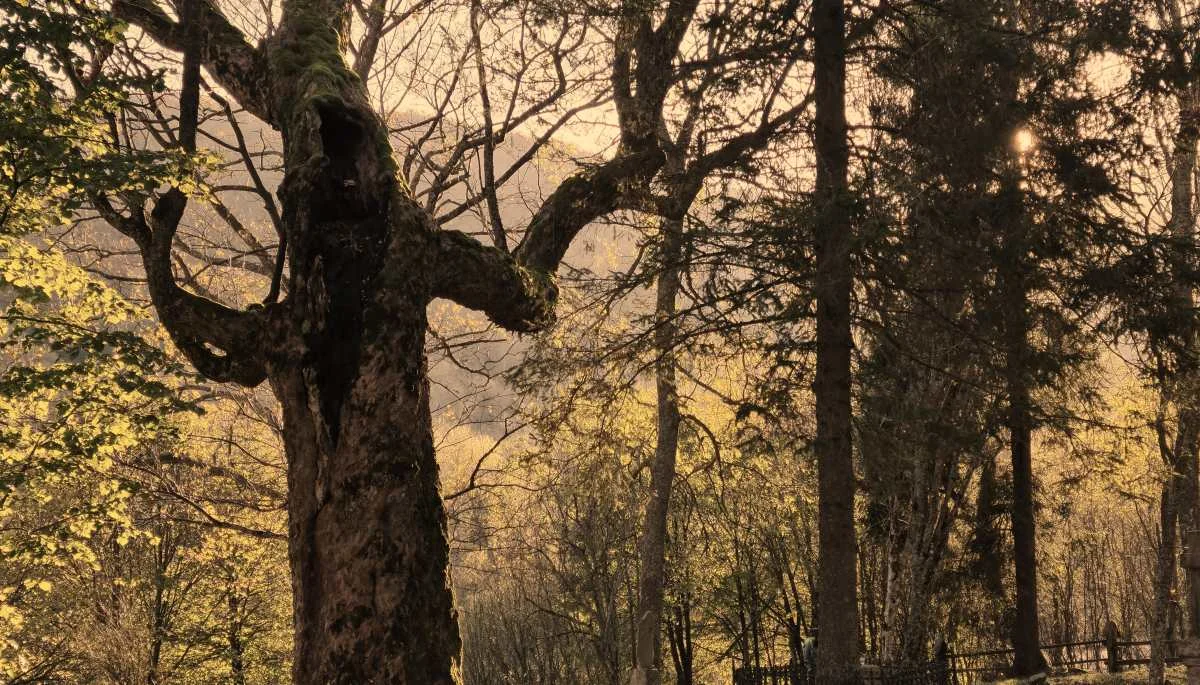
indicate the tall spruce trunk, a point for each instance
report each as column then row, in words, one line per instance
column 837, row 627
column 647, row 653
column 1014, row 294
column 1179, row 491
column 1027, row 658
column 1013, row 275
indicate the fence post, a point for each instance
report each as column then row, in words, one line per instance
column 941, row 658
column 1112, row 662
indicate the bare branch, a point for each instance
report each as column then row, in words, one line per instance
column 239, row 67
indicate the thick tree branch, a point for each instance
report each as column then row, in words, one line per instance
column 195, row 324
column 578, row 201
column 518, row 293
column 490, row 280
column 238, row 66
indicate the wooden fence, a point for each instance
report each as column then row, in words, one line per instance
column 788, row 674
column 1111, row 655
column 933, row 673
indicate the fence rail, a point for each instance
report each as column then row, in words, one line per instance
column 933, row 673
column 969, row 668
column 788, row 674
column 1064, row 658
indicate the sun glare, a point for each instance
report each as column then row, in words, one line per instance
column 1024, row 141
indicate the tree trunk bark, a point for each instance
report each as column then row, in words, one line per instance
column 163, row 554
column 1026, row 641
column 897, row 542
column 1186, row 494
column 1179, row 492
column 237, row 651
column 682, row 645
column 367, row 530
column 1183, row 229
column 1027, row 658
column 1164, row 581
column 837, row 630
column 647, row 656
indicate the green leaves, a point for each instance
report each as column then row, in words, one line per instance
column 84, row 381
column 58, row 105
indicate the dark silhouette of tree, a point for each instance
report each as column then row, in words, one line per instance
column 837, row 617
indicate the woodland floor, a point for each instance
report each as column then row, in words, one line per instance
column 1175, row 674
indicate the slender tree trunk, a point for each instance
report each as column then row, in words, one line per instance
column 1186, row 445
column 1179, row 491
column 682, row 644
column 897, row 542
column 1183, row 230
column 837, row 652
column 744, row 612
column 868, row 572
column 237, row 651
column 163, row 554
column 1164, row 581
column 157, row 630
column 755, row 618
column 792, row 609
column 647, row 663
column 909, row 635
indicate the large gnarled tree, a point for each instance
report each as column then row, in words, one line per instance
column 344, row 350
